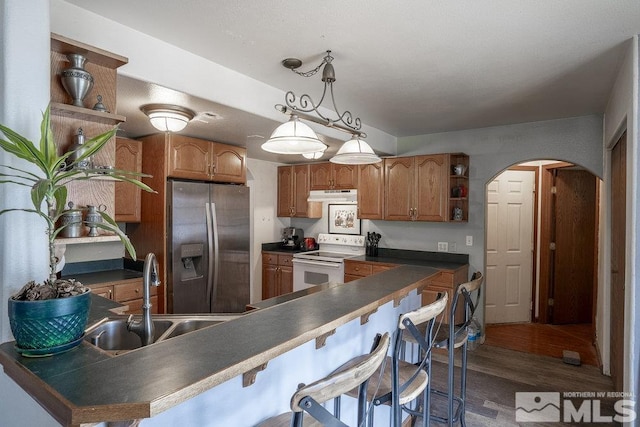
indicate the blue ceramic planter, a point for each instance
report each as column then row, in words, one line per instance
column 51, row 326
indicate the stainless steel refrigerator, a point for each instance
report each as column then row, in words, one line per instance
column 208, row 247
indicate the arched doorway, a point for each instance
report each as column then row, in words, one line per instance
column 541, row 257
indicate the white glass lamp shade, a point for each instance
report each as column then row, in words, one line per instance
column 168, row 118
column 355, row 152
column 314, row 156
column 293, row 137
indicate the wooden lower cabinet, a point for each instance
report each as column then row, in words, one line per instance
column 277, row 274
column 446, row 281
column 354, row 270
column 127, row 292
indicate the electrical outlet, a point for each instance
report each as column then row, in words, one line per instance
column 452, row 246
column 469, row 240
column 443, row 246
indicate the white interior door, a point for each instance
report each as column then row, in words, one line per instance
column 510, row 247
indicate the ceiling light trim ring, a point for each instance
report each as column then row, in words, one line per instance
column 168, row 117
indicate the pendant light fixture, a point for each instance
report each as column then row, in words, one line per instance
column 287, row 136
column 314, row 156
column 293, row 137
column 167, row 117
column 355, row 152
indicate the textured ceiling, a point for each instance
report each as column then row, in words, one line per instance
column 411, row 67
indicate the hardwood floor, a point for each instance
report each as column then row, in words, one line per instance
column 544, row 339
column 496, row 374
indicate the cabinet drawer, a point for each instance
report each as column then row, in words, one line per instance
column 135, row 306
column 269, row 258
column 130, row 290
column 380, row 268
column 357, row 269
column 103, row 291
column 285, row 260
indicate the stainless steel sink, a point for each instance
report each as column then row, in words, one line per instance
column 111, row 335
column 190, row 325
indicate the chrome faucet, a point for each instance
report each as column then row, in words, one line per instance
column 144, row 328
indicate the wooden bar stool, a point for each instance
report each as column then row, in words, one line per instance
column 402, row 382
column 309, row 398
column 451, row 337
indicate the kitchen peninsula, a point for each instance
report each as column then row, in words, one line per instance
column 235, row 373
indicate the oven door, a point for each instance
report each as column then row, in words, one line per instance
column 308, row 273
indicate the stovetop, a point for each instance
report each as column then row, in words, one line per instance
column 335, row 248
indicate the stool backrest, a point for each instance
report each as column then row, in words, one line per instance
column 464, row 292
column 337, row 384
column 425, row 313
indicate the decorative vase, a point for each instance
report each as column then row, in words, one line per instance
column 46, row 327
column 76, row 80
column 77, row 150
column 93, row 218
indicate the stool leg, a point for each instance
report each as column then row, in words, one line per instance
column 450, row 381
column 463, row 385
column 426, row 410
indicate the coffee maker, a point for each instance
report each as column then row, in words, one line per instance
column 292, row 237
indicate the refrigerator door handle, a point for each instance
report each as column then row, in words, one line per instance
column 210, row 253
column 216, row 254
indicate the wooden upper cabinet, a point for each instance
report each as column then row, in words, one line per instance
column 285, row 191
column 300, row 190
column 344, row 176
column 198, row 159
column 371, row 191
column 128, row 196
column 332, row 176
column 229, row 163
column 293, row 192
column 320, row 176
column 416, row 188
column 431, row 187
column 189, row 157
column 399, row 188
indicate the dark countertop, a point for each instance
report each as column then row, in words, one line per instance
column 98, row 277
column 439, row 260
column 277, row 247
column 104, row 271
column 85, row 385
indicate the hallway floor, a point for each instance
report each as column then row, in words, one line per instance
column 544, row 339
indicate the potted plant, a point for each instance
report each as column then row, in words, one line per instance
column 50, row 317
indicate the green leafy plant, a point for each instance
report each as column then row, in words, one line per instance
column 49, row 185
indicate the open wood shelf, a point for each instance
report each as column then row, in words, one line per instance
column 80, row 113
column 86, row 239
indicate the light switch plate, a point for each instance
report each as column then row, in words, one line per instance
column 469, row 240
column 443, row 246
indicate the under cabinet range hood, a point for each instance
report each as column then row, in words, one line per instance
column 333, row 196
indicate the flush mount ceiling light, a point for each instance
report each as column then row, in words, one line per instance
column 167, row 117
column 304, row 108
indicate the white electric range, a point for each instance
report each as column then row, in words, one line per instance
column 327, row 263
